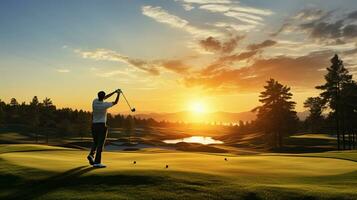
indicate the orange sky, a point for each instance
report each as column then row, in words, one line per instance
column 168, row 56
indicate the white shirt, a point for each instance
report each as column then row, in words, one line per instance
column 100, row 111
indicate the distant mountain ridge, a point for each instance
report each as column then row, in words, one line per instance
column 219, row 117
column 185, row 116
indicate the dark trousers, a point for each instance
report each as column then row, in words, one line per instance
column 99, row 133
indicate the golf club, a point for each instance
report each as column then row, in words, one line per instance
column 132, row 109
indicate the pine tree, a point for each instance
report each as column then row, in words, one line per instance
column 34, row 116
column 336, row 79
column 34, row 101
column 2, row 112
column 276, row 116
column 13, row 102
column 47, row 110
column 47, row 102
column 349, row 113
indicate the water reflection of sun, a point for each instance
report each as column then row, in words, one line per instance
column 195, row 139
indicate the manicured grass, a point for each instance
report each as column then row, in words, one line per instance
column 43, row 172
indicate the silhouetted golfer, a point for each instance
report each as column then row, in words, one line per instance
column 99, row 128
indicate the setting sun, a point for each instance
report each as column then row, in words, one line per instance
column 198, row 107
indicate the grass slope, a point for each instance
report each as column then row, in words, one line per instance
column 45, row 172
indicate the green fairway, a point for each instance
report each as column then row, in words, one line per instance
column 44, row 172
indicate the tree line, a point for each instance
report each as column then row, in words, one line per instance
column 334, row 111
column 43, row 119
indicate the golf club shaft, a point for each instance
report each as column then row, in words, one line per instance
column 126, row 100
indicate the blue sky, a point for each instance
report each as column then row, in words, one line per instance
column 68, row 50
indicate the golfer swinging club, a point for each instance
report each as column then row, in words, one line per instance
column 99, row 128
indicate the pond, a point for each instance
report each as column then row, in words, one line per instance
column 195, row 139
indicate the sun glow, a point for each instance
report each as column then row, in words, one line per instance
column 198, row 107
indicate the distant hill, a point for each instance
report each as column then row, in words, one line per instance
column 185, row 116
column 219, row 117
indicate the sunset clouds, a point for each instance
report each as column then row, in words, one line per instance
column 245, row 14
column 162, row 16
column 214, row 45
column 264, row 44
column 110, row 55
column 206, row 1
column 328, row 27
column 236, row 61
column 241, row 67
column 185, row 49
column 301, row 72
column 152, row 67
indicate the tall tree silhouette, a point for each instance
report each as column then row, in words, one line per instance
column 276, row 116
column 315, row 120
column 2, row 112
column 47, row 102
column 349, row 114
column 34, row 115
column 47, row 110
column 337, row 78
column 13, row 102
column 14, row 113
column 34, row 101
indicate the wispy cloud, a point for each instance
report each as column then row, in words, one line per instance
column 62, row 70
column 206, row 1
column 110, row 55
column 151, row 67
column 234, row 26
column 252, row 10
column 162, row 16
column 293, row 48
column 322, row 26
column 245, row 14
column 237, row 8
column 215, row 7
column 351, row 51
column 248, row 16
column 177, row 66
column 242, row 17
column 309, row 14
column 187, row 7
column 114, row 73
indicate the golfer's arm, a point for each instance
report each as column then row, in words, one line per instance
column 109, row 95
column 117, row 99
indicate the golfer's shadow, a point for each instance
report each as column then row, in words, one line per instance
column 43, row 186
